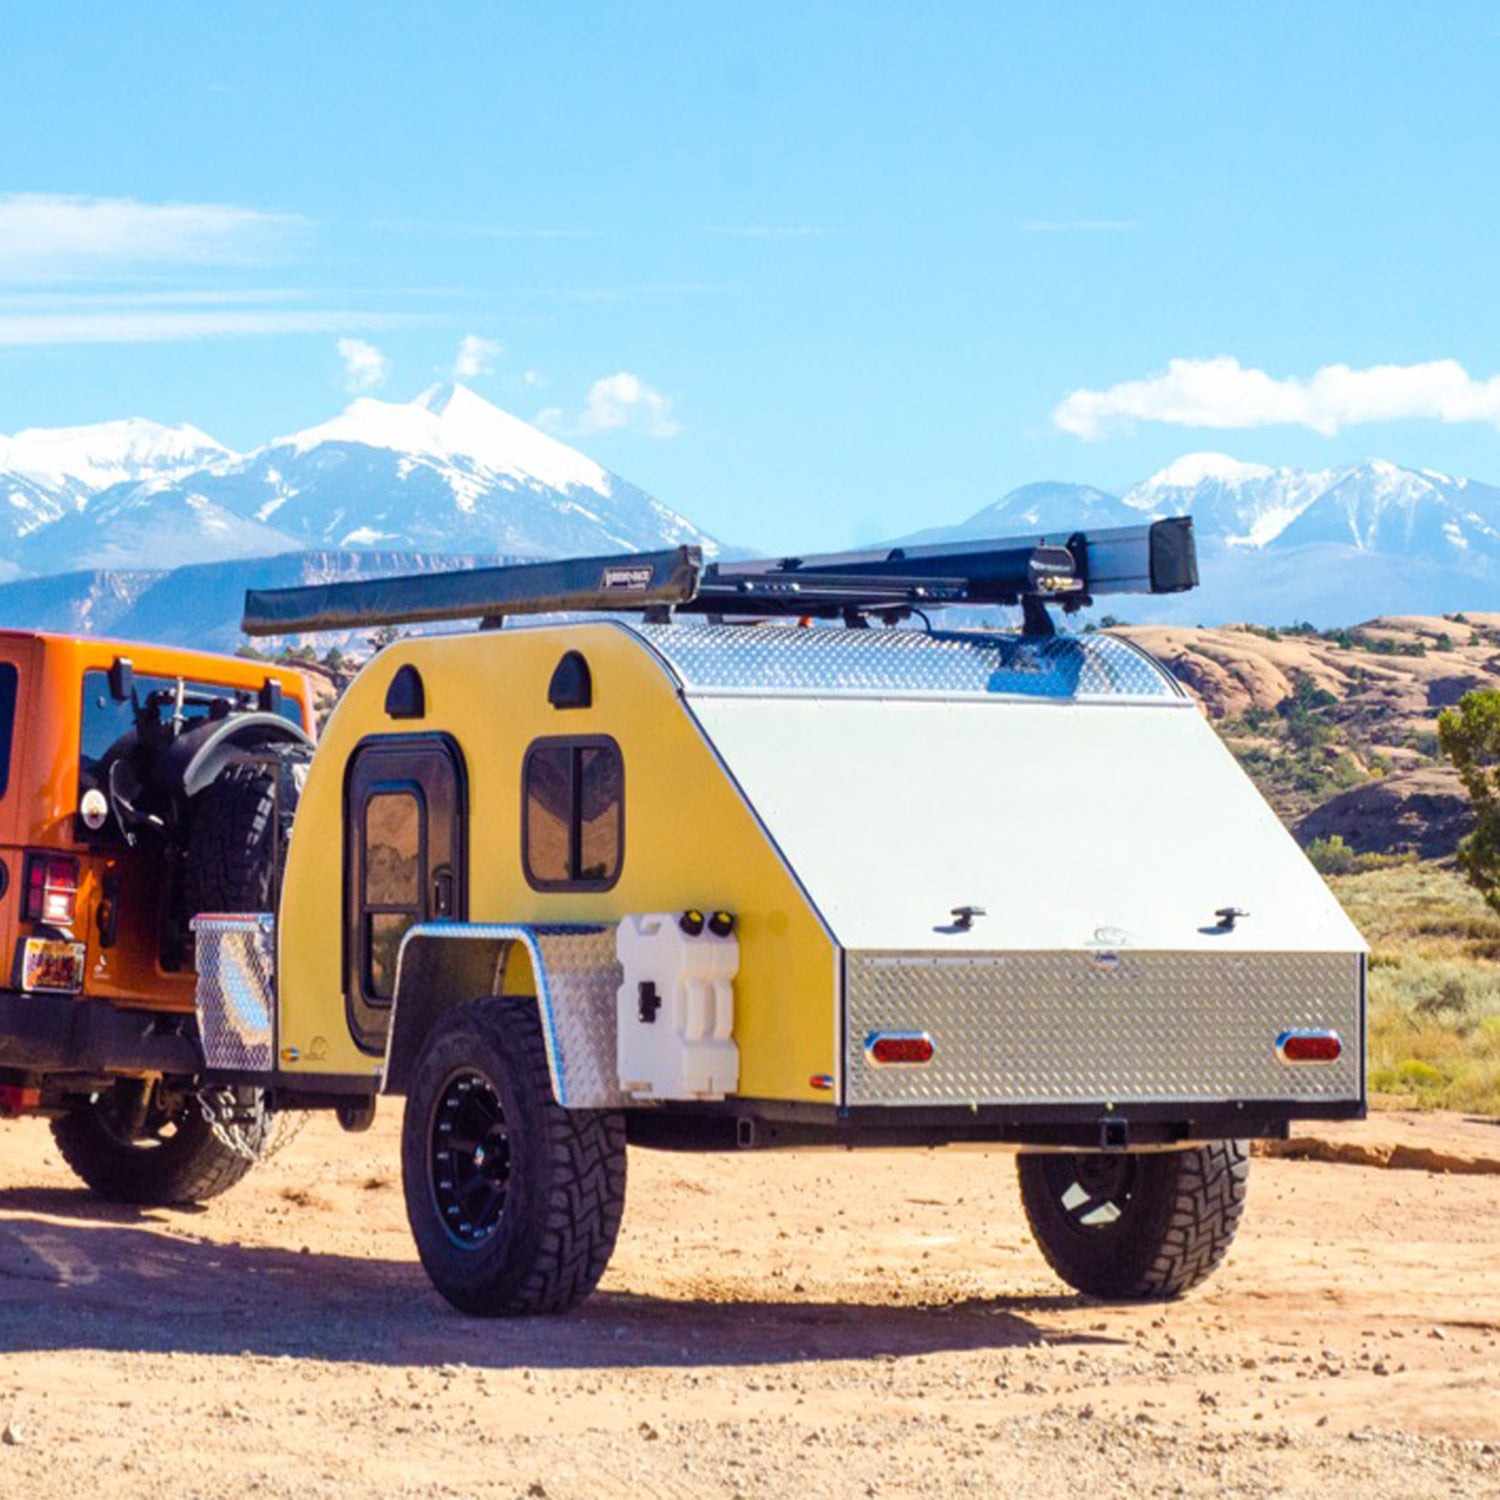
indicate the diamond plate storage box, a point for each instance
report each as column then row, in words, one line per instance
column 236, row 989
column 1103, row 1027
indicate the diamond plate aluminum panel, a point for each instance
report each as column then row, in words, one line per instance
column 580, row 978
column 577, row 977
column 1121, row 1028
column 828, row 662
column 236, row 990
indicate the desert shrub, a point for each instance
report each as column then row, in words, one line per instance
column 1332, row 856
column 1451, row 998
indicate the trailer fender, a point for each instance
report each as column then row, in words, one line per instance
column 571, row 970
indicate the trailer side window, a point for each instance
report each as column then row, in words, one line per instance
column 573, row 830
column 392, row 897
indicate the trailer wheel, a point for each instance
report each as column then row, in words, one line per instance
column 1135, row 1225
column 514, row 1202
column 169, row 1155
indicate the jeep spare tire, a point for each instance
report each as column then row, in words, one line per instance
column 236, row 848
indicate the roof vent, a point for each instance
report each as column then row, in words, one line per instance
column 406, row 697
column 572, row 684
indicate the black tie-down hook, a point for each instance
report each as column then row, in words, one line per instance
column 963, row 918
column 1228, row 916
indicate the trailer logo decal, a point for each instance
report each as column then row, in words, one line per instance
column 623, row 580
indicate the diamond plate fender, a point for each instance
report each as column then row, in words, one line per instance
column 577, row 974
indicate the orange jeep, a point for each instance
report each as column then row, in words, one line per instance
column 138, row 786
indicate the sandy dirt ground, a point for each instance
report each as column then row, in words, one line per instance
column 772, row 1325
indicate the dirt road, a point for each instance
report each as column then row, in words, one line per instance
column 772, row 1325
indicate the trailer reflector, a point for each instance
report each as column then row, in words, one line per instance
column 1309, row 1046
column 887, row 1049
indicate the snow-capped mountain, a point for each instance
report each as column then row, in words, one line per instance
column 1374, row 506
column 49, row 474
column 1237, row 503
column 448, row 472
column 1331, row 545
column 91, row 458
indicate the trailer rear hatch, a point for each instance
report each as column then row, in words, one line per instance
column 1036, row 855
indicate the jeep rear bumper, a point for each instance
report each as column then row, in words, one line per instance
column 53, row 1034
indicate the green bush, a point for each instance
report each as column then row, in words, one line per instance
column 1332, row 856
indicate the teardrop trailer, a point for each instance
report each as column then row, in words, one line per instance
column 776, row 863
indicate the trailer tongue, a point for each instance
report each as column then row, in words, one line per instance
column 708, row 879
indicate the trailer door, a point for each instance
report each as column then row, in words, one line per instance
column 404, row 862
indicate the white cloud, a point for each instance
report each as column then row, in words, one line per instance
column 365, row 367
column 50, row 236
column 172, row 327
column 1223, row 393
column 201, row 297
column 476, row 356
column 624, row 400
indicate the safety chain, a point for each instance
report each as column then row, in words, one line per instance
column 241, row 1124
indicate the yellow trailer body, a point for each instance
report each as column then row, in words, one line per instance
column 689, row 841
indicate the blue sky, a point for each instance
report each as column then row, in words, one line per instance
column 810, row 273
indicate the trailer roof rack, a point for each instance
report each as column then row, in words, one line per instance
column 1066, row 569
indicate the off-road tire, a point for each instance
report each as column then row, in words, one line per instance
column 178, row 1160
column 233, row 858
column 514, row 1202
column 1139, row 1226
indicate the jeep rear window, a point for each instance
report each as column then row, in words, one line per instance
column 107, row 718
column 9, row 682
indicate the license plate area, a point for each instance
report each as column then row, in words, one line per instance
column 53, row 966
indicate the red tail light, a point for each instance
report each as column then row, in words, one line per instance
column 1309, row 1046
column 887, row 1048
column 51, row 889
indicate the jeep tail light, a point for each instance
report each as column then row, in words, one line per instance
column 51, row 889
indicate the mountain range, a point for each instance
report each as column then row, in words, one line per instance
column 98, row 522
column 448, row 472
column 1331, row 546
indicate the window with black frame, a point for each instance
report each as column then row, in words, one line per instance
column 392, row 896
column 573, row 814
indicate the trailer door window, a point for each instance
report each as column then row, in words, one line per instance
column 394, row 840
column 405, row 820
column 573, row 832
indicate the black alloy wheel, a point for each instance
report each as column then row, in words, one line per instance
column 1092, row 1190
column 469, row 1151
